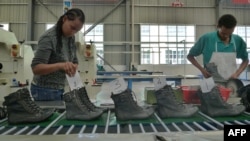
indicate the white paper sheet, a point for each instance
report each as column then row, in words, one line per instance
column 207, row 84
column 75, row 82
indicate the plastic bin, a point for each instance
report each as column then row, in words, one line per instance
column 190, row 94
column 150, row 95
column 225, row 92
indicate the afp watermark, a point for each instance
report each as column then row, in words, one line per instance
column 241, row 132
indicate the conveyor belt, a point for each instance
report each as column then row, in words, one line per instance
column 107, row 124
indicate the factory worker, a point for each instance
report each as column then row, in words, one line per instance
column 220, row 49
column 55, row 56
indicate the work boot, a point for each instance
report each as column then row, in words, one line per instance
column 213, row 104
column 85, row 99
column 213, row 70
column 169, row 106
column 3, row 113
column 244, row 93
column 77, row 109
column 22, row 109
column 127, row 109
column 245, row 100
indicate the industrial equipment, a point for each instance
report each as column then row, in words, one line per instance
column 15, row 60
column 87, row 68
column 86, row 54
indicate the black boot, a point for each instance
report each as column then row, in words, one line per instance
column 244, row 93
column 127, row 109
column 22, row 109
column 3, row 113
column 85, row 99
column 212, row 69
column 169, row 106
column 77, row 109
column 213, row 104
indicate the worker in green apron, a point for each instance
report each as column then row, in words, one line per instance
column 220, row 50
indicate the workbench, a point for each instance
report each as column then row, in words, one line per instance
column 137, row 78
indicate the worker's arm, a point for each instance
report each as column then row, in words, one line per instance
column 198, row 66
column 241, row 68
column 44, row 69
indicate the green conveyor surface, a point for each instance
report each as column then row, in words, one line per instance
column 42, row 123
column 233, row 118
column 101, row 121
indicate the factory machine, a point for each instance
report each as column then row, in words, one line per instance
column 87, row 68
column 15, row 60
column 15, row 63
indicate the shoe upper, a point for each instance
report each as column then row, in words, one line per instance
column 77, row 109
column 126, row 108
column 213, row 104
column 125, row 99
column 22, row 109
column 22, row 98
column 212, row 68
column 166, row 97
column 169, row 106
column 82, row 92
column 74, row 98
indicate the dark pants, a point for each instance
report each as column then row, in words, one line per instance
column 45, row 94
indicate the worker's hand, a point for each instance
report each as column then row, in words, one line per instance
column 205, row 73
column 234, row 76
column 70, row 68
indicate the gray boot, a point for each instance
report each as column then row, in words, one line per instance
column 169, row 106
column 127, row 109
column 85, row 98
column 213, row 104
column 76, row 109
column 212, row 69
column 22, row 109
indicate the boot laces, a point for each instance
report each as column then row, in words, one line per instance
column 133, row 99
column 30, row 105
column 86, row 99
column 79, row 102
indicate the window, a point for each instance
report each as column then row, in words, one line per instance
column 166, row 44
column 48, row 26
column 95, row 35
column 4, row 26
column 244, row 32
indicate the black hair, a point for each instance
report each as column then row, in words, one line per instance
column 71, row 14
column 227, row 20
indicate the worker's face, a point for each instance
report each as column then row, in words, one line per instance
column 225, row 33
column 71, row 27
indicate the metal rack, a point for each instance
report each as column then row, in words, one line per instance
column 109, row 125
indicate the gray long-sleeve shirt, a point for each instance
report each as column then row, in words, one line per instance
column 46, row 53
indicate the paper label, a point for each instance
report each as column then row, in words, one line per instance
column 118, row 85
column 207, row 84
column 75, row 82
column 159, row 82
